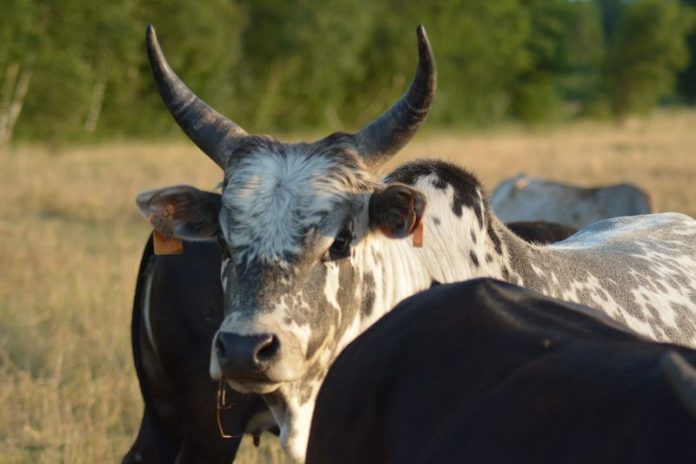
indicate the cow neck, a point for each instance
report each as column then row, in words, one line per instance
column 456, row 247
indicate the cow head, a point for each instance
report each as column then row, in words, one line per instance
column 294, row 220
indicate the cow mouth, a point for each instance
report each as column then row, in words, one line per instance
column 253, row 385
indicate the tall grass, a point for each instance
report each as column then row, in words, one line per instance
column 71, row 238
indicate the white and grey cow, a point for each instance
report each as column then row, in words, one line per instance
column 528, row 198
column 317, row 250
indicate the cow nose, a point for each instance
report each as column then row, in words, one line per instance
column 246, row 355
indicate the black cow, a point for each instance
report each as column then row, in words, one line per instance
column 181, row 297
column 176, row 311
column 487, row 372
column 540, row 231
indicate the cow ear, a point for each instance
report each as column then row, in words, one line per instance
column 397, row 210
column 182, row 211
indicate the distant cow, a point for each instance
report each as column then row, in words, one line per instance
column 177, row 309
column 527, row 198
column 540, row 231
column 484, row 371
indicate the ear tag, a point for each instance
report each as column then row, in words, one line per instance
column 166, row 246
column 418, row 235
column 161, row 244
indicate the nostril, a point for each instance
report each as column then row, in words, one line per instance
column 268, row 349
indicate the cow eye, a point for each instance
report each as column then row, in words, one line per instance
column 340, row 248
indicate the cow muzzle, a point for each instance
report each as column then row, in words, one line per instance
column 255, row 363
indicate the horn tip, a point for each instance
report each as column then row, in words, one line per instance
column 422, row 35
column 151, row 36
column 425, row 50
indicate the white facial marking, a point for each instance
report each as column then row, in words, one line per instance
column 276, row 197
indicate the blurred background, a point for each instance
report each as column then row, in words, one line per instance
column 76, row 70
column 588, row 92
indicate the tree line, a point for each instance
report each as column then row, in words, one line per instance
column 77, row 69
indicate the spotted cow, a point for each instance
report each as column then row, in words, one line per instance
column 527, row 198
column 318, row 246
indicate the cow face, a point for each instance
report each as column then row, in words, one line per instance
column 295, row 221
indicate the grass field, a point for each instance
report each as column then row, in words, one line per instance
column 72, row 239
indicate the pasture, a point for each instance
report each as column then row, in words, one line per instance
column 72, row 238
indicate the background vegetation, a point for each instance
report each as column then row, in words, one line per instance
column 76, row 69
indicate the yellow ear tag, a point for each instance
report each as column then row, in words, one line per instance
column 166, row 246
column 418, row 236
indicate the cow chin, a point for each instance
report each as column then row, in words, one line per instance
column 257, row 386
column 260, row 388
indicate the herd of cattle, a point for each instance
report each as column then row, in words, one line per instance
column 529, row 341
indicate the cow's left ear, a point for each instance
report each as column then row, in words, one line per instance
column 182, row 211
column 397, row 210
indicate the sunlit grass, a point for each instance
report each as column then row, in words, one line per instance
column 71, row 240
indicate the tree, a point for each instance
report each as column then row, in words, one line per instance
column 645, row 54
column 566, row 46
column 687, row 78
column 19, row 36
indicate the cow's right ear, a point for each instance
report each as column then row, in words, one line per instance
column 182, row 211
column 397, row 210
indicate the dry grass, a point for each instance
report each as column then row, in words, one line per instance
column 71, row 243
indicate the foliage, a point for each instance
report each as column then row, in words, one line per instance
column 73, row 69
column 647, row 50
column 687, row 78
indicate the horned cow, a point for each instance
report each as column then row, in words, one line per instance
column 317, row 247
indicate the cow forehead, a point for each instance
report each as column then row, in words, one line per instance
column 275, row 196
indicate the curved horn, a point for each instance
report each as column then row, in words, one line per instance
column 387, row 134
column 212, row 132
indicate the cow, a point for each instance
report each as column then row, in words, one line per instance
column 176, row 310
column 318, row 247
column 485, row 371
column 527, row 198
column 540, row 231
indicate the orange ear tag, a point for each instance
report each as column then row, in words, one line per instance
column 166, row 246
column 418, row 236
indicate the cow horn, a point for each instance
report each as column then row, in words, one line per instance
column 387, row 134
column 216, row 135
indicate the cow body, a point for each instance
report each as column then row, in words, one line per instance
column 318, row 247
column 527, row 198
column 638, row 269
column 176, row 311
column 484, row 371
